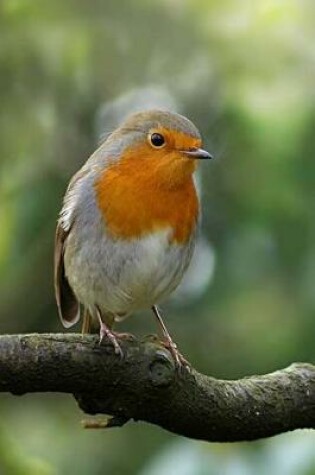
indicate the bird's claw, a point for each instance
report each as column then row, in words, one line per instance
column 180, row 361
column 105, row 332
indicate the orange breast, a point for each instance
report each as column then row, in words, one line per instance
column 135, row 199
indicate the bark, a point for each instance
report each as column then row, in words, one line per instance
column 145, row 385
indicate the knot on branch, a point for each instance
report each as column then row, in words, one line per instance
column 155, row 370
column 161, row 369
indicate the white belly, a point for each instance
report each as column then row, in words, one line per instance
column 123, row 276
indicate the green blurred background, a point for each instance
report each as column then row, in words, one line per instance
column 244, row 72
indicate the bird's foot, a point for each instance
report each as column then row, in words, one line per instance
column 168, row 343
column 106, row 332
column 179, row 360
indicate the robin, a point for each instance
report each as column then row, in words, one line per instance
column 127, row 229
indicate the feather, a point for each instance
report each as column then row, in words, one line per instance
column 67, row 303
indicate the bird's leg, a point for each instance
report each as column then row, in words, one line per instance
column 169, row 343
column 105, row 331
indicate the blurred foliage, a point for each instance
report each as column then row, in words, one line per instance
column 244, row 73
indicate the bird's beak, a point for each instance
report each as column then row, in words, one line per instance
column 197, row 153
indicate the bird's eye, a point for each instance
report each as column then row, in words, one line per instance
column 157, row 140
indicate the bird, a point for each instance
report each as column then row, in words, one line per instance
column 127, row 228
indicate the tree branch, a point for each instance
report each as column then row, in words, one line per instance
column 144, row 385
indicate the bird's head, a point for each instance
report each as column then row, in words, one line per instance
column 162, row 144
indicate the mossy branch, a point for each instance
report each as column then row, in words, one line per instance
column 145, row 386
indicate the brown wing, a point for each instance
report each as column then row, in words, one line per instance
column 68, row 305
